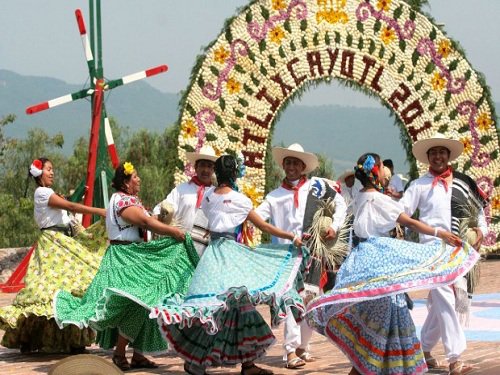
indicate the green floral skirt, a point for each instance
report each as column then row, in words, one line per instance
column 58, row 262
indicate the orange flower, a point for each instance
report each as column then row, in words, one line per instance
column 277, row 34
column 438, row 82
column 387, row 35
column 495, row 202
column 221, row 55
column 383, row 5
column 484, row 121
column 233, row 86
column 467, row 144
column 189, row 129
column 444, row 48
column 278, row 4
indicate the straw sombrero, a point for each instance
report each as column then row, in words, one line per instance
column 84, row 364
column 296, row 151
column 345, row 174
column 421, row 147
column 205, row 153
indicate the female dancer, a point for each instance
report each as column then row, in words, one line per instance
column 366, row 314
column 59, row 261
column 216, row 323
column 133, row 276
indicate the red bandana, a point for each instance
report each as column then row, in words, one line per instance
column 201, row 189
column 288, row 186
column 441, row 177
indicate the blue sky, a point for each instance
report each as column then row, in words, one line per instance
column 40, row 37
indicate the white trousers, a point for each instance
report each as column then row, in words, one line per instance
column 442, row 323
column 297, row 335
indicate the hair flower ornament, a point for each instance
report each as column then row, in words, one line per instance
column 240, row 159
column 128, row 168
column 369, row 164
column 36, row 168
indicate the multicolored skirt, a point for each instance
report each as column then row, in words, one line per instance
column 366, row 314
column 57, row 262
column 131, row 279
column 216, row 323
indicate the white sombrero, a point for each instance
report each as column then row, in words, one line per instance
column 84, row 364
column 347, row 173
column 421, row 147
column 205, row 153
column 296, row 151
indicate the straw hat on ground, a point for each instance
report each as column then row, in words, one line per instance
column 84, row 364
column 205, row 153
column 296, row 151
column 421, row 147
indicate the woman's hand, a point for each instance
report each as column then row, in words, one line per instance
column 297, row 242
column 449, row 238
column 178, row 234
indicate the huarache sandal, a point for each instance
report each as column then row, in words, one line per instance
column 142, row 362
column 433, row 363
column 460, row 368
column 121, row 362
column 295, row 362
column 194, row 369
column 307, row 357
column 254, row 370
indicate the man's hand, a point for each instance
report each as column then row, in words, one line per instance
column 330, row 234
column 477, row 244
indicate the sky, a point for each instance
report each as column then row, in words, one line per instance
column 40, row 38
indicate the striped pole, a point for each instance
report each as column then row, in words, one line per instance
column 58, row 101
column 85, row 42
column 136, row 76
column 111, row 143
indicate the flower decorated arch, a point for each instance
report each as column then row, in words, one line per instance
column 274, row 49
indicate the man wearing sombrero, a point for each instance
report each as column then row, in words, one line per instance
column 444, row 197
column 186, row 198
column 285, row 207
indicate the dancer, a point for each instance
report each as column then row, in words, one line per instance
column 59, row 261
column 216, row 323
column 366, row 314
column 444, row 197
column 286, row 207
column 132, row 277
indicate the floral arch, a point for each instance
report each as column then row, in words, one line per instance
column 273, row 49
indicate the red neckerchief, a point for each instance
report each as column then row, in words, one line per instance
column 441, row 177
column 201, row 189
column 288, row 186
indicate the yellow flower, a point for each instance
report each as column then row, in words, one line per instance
column 495, row 202
column 467, row 144
column 233, row 86
column 189, row 129
column 484, row 122
column 387, row 35
column 277, row 34
column 221, row 55
column 128, row 168
column 438, row 82
column 251, row 192
column 278, row 4
column 383, row 5
column 444, row 48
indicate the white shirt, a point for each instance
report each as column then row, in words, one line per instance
column 183, row 199
column 396, row 183
column 46, row 216
column 279, row 207
column 375, row 214
column 434, row 205
column 225, row 211
column 117, row 228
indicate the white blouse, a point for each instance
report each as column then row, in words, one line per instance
column 117, row 228
column 375, row 214
column 46, row 216
column 225, row 211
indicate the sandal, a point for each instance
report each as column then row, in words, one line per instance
column 254, row 367
column 307, row 357
column 142, row 363
column 433, row 363
column 194, row 369
column 295, row 362
column 460, row 369
column 121, row 362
